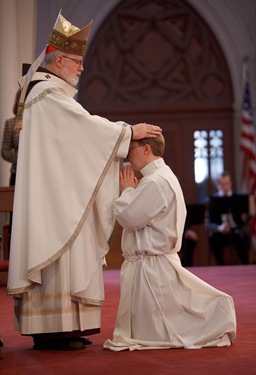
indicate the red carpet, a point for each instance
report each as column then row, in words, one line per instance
column 240, row 358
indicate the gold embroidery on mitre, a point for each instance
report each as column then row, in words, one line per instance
column 68, row 45
column 69, row 38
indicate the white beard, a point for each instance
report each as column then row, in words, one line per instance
column 73, row 81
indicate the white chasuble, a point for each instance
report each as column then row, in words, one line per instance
column 66, row 186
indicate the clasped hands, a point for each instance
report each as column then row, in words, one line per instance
column 224, row 228
column 127, row 178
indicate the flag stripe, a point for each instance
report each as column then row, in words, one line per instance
column 248, row 145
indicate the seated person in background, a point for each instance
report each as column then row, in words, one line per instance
column 10, row 141
column 9, row 151
column 162, row 304
column 227, row 226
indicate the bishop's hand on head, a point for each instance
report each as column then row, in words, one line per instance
column 144, row 130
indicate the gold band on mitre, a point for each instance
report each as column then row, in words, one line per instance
column 68, row 38
column 68, row 45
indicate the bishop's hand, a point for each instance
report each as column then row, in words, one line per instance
column 144, row 130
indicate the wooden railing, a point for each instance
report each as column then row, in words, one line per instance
column 6, row 198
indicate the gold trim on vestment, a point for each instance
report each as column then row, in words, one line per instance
column 43, row 95
column 33, row 306
column 17, row 291
column 70, row 242
column 87, row 301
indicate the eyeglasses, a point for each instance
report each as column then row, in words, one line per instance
column 78, row 62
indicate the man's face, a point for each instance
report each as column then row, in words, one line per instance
column 72, row 68
column 136, row 156
column 224, row 184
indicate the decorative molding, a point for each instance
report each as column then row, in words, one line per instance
column 159, row 55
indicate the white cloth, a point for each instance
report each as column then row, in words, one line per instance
column 66, row 186
column 163, row 305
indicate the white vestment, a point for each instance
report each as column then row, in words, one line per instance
column 163, row 305
column 66, row 186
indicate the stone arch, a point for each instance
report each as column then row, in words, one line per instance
column 157, row 55
column 158, row 61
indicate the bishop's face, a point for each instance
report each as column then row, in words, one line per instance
column 72, row 67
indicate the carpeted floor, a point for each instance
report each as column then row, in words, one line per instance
column 240, row 358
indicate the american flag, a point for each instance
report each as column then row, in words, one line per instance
column 248, row 144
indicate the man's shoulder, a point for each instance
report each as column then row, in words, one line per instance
column 39, row 85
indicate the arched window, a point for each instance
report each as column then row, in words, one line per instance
column 208, row 159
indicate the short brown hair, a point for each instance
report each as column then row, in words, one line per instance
column 157, row 144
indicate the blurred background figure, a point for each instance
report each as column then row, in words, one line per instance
column 10, row 141
column 227, row 221
column 9, row 153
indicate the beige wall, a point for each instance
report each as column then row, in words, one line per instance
column 17, row 40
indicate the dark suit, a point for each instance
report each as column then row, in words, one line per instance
column 233, row 209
